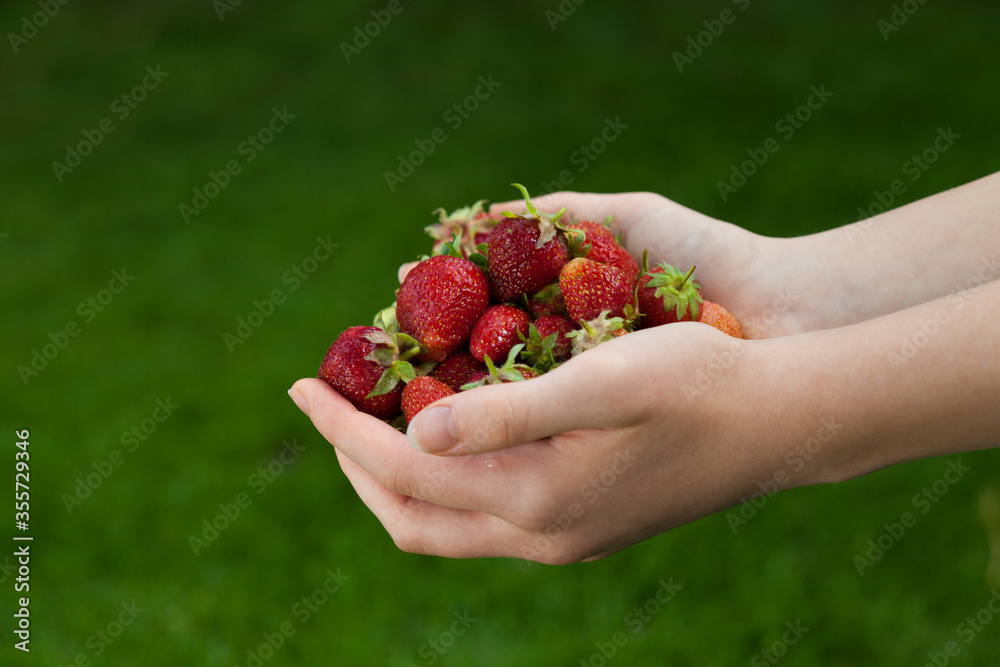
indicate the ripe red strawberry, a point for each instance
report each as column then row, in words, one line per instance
column 554, row 324
column 525, row 252
column 666, row 295
column 477, row 379
column 355, row 365
column 499, row 329
column 472, row 224
column 458, row 369
column 547, row 301
column 589, row 287
column 715, row 315
column 604, row 248
column 421, row 392
column 439, row 303
column 547, row 344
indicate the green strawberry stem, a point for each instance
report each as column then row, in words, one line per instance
column 409, row 354
column 685, row 278
column 531, row 207
column 490, row 367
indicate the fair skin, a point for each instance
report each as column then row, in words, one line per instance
column 872, row 344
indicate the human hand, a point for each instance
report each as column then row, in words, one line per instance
column 606, row 450
column 747, row 273
column 666, row 425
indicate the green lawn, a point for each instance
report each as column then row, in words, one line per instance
column 321, row 180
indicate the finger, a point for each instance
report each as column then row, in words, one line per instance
column 587, row 392
column 488, row 483
column 421, row 527
column 637, row 216
column 404, row 269
column 580, row 205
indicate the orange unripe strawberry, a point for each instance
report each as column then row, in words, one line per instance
column 715, row 315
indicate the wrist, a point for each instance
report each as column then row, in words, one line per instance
column 914, row 384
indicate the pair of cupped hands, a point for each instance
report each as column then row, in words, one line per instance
column 637, row 436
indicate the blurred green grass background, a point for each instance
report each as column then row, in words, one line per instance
column 323, row 177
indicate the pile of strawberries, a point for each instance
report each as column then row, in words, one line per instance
column 505, row 298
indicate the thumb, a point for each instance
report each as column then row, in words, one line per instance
column 497, row 417
column 582, row 205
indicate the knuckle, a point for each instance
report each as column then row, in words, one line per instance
column 555, row 552
column 407, row 543
column 406, row 537
column 537, row 521
column 394, row 479
column 540, row 514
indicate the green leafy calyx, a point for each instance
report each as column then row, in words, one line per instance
column 678, row 291
column 596, row 331
column 547, row 224
column 393, row 352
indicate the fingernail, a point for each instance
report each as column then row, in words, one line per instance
column 300, row 400
column 432, row 431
